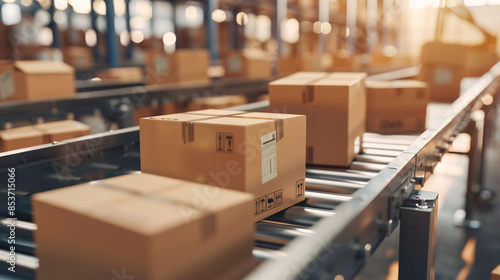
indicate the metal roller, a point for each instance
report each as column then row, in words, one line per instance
column 332, row 186
column 384, row 146
column 278, row 233
column 323, row 200
column 339, row 174
column 264, row 254
column 374, row 159
column 299, row 215
column 384, row 153
column 366, row 166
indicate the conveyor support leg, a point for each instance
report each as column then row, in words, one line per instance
column 417, row 239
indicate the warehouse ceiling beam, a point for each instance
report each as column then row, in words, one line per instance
column 111, row 41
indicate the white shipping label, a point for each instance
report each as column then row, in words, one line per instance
column 269, row 162
column 6, row 85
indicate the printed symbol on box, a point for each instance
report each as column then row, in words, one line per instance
column 219, row 140
column 299, row 188
column 278, row 197
column 229, row 143
column 260, row 205
column 270, row 201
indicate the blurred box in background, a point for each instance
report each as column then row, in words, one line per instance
column 248, row 64
column 78, row 57
column 216, row 102
column 36, row 80
column 396, row 106
column 18, row 138
column 121, row 74
column 184, row 65
column 150, row 226
column 335, row 106
column 443, row 69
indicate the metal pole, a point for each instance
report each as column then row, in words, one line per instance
column 212, row 30
column 371, row 25
column 95, row 48
column 111, row 42
column 323, row 16
column 417, row 240
column 351, row 16
column 56, row 41
column 128, row 49
column 281, row 10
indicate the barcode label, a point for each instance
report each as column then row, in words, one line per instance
column 269, row 162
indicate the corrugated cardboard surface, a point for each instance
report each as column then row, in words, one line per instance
column 18, row 138
column 36, row 80
column 151, row 227
column 227, row 151
column 495, row 274
column 335, row 108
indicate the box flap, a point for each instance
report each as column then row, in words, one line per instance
column 215, row 112
column 43, row 67
column 234, row 121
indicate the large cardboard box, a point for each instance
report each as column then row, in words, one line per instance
column 248, row 65
column 335, row 106
column 141, row 225
column 396, row 106
column 62, row 130
column 184, row 65
column 35, row 80
column 259, row 153
column 216, row 102
column 18, row 138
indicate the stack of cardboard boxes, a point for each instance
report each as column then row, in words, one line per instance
column 33, row 135
column 396, row 106
column 35, row 80
column 335, row 106
column 259, row 153
column 143, row 226
column 184, row 65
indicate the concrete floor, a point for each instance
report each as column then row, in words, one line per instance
column 460, row 253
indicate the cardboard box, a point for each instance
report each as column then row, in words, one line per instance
column 122, row 74
column 495, row 274
column 21, row 137
column 396, row 106
column 35, row 80
column 248, row 65
column 216, row 102
column 443, row 69
column 335, row 108
column 141, row 225
column 259, row 153
column 184, row 65
column 479, row 62
column 33, row 135
column 304, row 62
column 62, row 130
column 78, row 57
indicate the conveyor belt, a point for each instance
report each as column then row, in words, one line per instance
column 346, row 214
column 326, row 189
